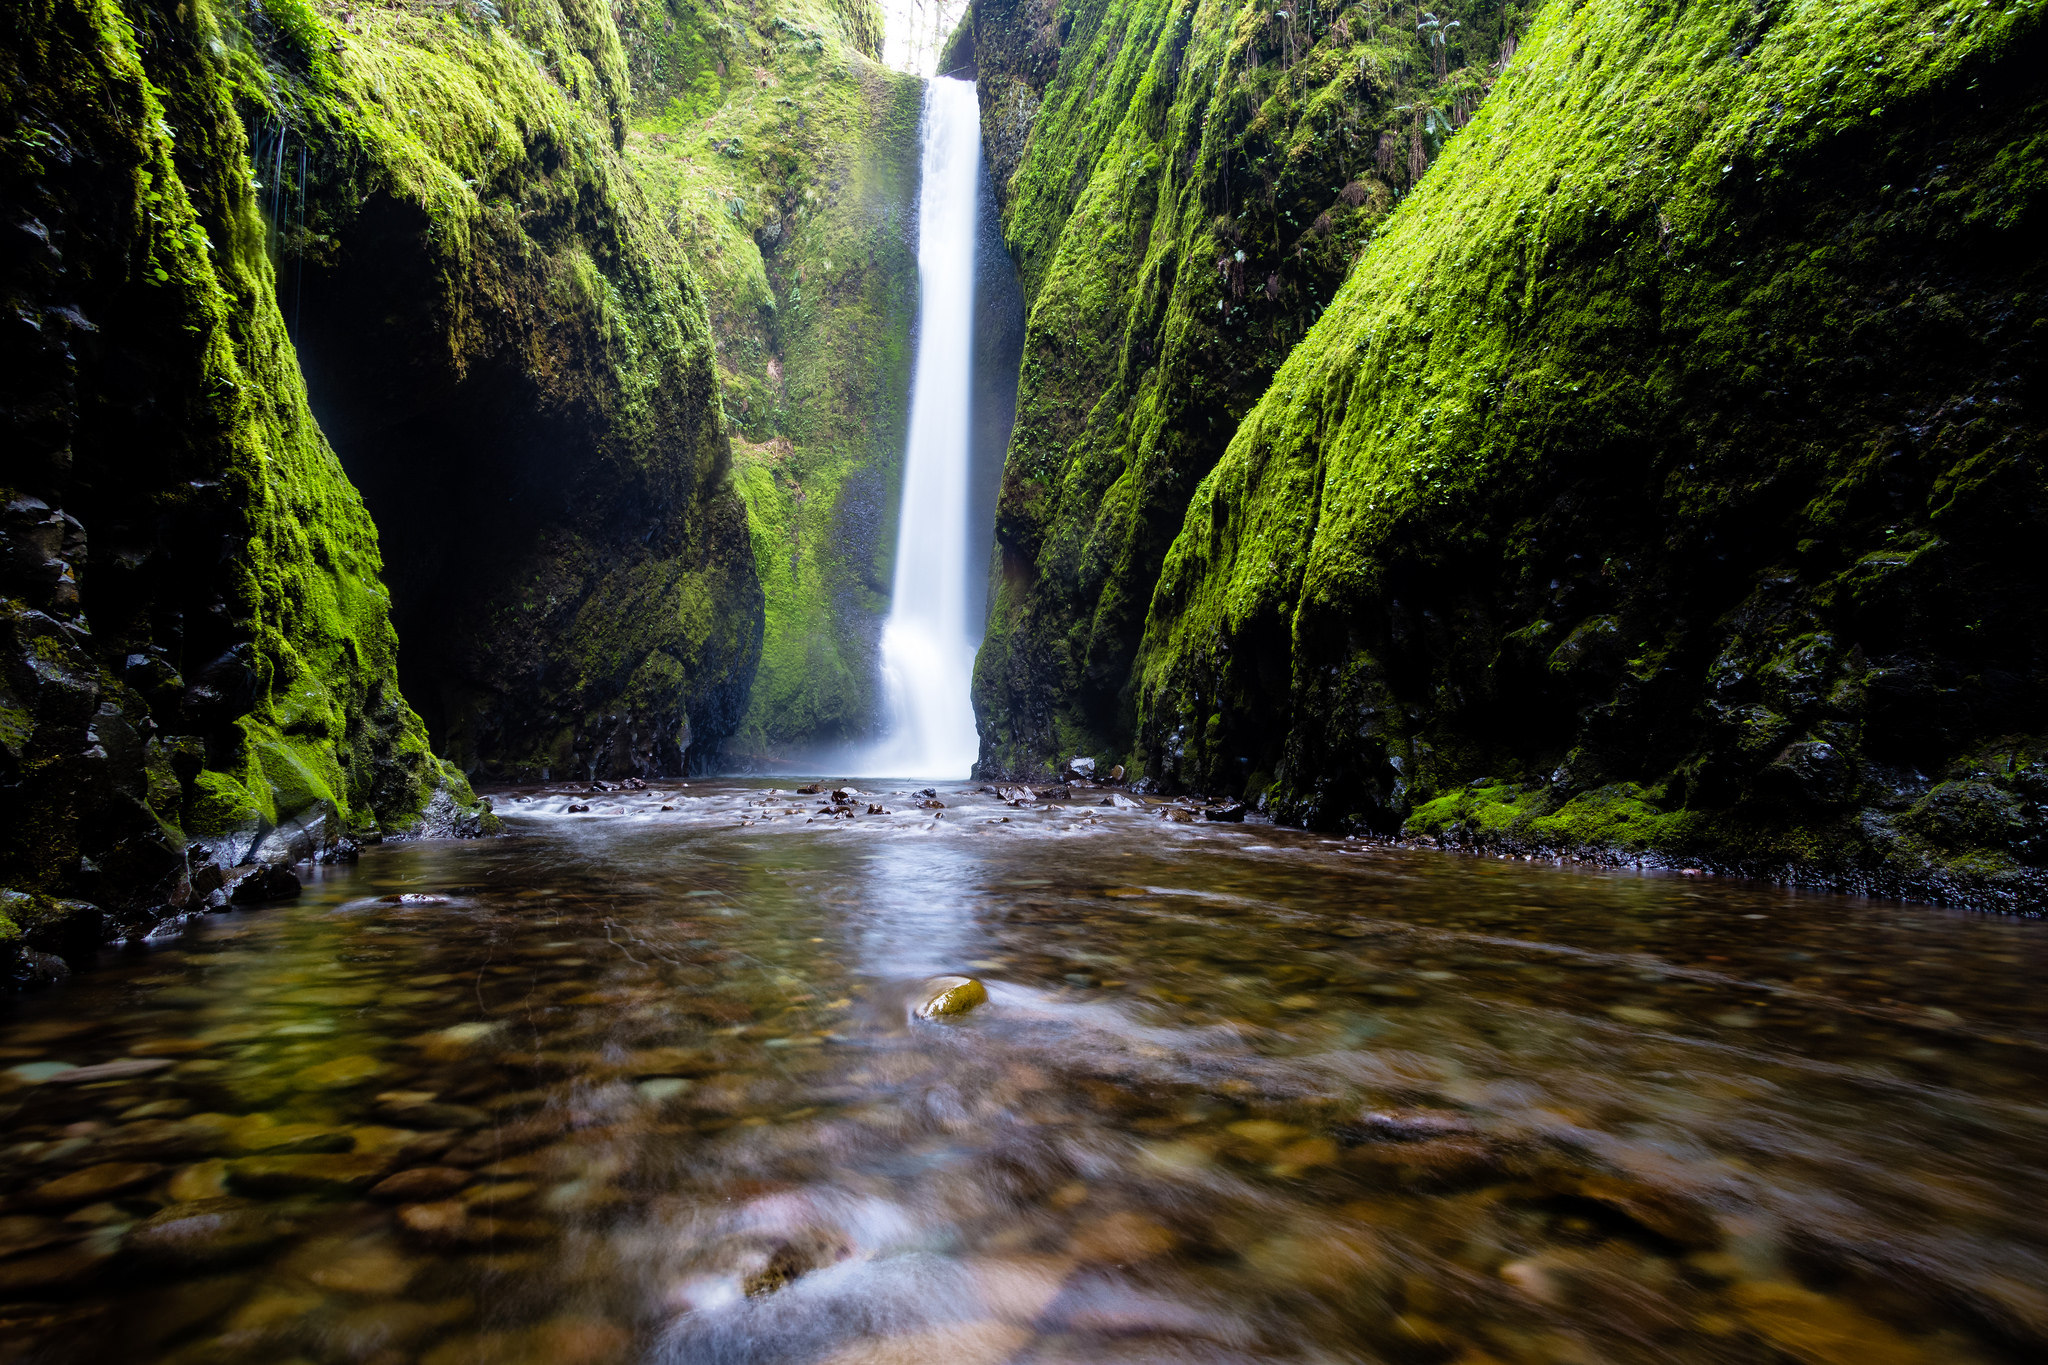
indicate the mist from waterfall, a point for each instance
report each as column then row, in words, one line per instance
column 928, row 642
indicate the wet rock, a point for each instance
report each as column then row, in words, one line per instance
column 1121, row 802
column 562, row 1341
column 449, row 1222
column 1232, row 813
column 318, row 1174
column 53, row 1270
column 1436, row 1163
column 206, row 1233
column 670, row 1061
column 579, row 809
column 1177, row 814
column 421, row 1109
column 120, row 1069
column 420, row 1185
column 92, row 1184
column 1122, row 1238
column 931, row 803
column 340, row 1074
column 20, row 1233
column 156, row 1140
column 372, row 1268
column 253, row 885
column 1053, row 793
column 271, row 1138
column 1669, row 1214
column 944, row 996
column 1819, row 1330
column 28, row 968
column 1078, row 767
column 812, row 790
column 202, row 1180
column 1410, row 1125
column 385, row 1331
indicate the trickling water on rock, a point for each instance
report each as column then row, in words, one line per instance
column 927, row 644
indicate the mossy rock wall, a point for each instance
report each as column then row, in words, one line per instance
column 1183, row 187
column 516, row 367
column 195, row 647
column 1665, row 481
column 783, row 159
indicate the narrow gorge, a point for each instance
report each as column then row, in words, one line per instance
column 992, row 682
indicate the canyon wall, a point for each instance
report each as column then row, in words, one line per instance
column 782, row 156
column 515, row 361
column 1660, row 483
column 197, row 670
column 1183, row 187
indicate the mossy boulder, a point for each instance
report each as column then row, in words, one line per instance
column 194, row 640
column 1664, row 481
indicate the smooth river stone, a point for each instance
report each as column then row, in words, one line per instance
column 340, row 1073
column 93, row 1184
column 312, row 1174
column 420, row 1185
column 944, row 996
column 205, row 1233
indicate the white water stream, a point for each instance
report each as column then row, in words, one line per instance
column 928, row 643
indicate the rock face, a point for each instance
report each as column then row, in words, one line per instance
column 781, row 156
column 195, row 650
column 1666, row 478
column 514, row 361
column 1183, row 188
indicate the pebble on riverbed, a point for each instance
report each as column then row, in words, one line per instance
column 950, row 995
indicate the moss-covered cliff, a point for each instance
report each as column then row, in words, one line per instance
column 1666, row 477
column 196, row 655
column 783, row 158
column 1184, row 186
column 515, row 364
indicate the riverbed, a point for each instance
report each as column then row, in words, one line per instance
column 644, row 1081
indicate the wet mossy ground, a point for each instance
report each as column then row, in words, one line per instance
column 197, row 645
column 1665, row 480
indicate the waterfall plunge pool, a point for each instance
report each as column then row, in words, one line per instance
column 643, row 1084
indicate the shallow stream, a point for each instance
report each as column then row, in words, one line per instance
column 643, row 1083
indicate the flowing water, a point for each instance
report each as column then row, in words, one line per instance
column 927, row 642
column 643, row 1083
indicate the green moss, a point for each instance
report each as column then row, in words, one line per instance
column 259, row 565
column 794, row 192
column 1184, row 188
column 1647, row 456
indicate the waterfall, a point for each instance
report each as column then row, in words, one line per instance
column 928, row 642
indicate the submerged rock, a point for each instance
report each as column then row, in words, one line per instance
column 945, row 996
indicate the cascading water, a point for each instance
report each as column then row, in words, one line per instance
column 928, row 643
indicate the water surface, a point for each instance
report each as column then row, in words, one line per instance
column 643, row 1084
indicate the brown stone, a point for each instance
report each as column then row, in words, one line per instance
column 420, row 1185
column 312, row 1174
column 94, row 1183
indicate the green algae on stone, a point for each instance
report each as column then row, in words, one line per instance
column 1661, row 483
